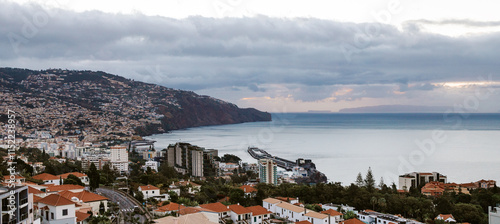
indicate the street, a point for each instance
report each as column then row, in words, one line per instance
column 126, row 205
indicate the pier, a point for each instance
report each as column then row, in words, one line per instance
column 257, row 153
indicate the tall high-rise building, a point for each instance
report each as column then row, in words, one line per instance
column 119, row 158
column 268, row 171
column 190, row 159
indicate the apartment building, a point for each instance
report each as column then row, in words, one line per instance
column 22, row 211
column 119, row 158
column 268, row 171
column 416, row 179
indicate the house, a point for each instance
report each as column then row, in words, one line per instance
column 83, row 177
column 335, row 216
column 15, row 179
column 192, row 187
column 86, row 197
column 149, row 191
column 290, row 212
column 353, row 221
column 259, row 214
column 446, row 218
column 316, row 217
column 56, row 209
column 486, row 183
column 289, row 200
column 336, row 207
column 270, row 204
column 240, row 214
column 249, row 190
column 222, row 210
column 198, row 218
column 169, row 208
column 47, row 178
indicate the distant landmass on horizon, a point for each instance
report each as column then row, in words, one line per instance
column 396, row 109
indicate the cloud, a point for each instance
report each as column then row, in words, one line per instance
column 233, row 58
column 462, row 22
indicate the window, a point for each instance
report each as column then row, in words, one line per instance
column 254, row 219
column 65, row 212
column 152, row 192
column 51, row 215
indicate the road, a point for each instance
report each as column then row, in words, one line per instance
column 126, row 205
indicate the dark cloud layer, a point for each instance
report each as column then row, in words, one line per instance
column 243, row 53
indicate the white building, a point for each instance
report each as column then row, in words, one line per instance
column 23, row 205
column 48, row 178
column 446, row 218
column 119, row 158
column 270, row 204
column 149, row 191
column 240, row 214
column 56, row 209
column 151, row 164
column 290, row 212
column 416, row 179
column 493, row 215
column 316, row 217
column 259, row 214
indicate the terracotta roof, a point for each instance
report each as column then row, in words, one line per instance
column 32, row 190
column 272, row 200
column 290, row 207
column 77, row 174
column 85, row 196
column 316, row 215
column 286, row 199
column 148, row 188
column 303, row 222
column 80, row 216
column 248, row 189
column 352, row 221
column 445, row 216
column 426, row 174
column 191, row 210
column 331, row 212
column 17, row 177
column 216, row 207
column 45, row 176
column 64, row 187
column 36, row 198
column 170, row 207
column 238, row 209
column 197, row 218
column 55, row 200
column 258, row 210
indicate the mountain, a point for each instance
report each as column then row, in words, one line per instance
column 396, row 109
column 68, row 102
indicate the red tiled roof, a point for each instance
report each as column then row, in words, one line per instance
column 80, row 216
column 36, row 198
column 64, row 187
column 55, row 200
column 445, row 216
column 352, row 221
column 216, row 207
column 191, row 210
column 303, row 222
column 45, row 176
column 84, row 196
column 170, row 207
column 17, row 177
column 238, row 209
column 248, row 189
column 331, row 212
column 33, row 190
column 77, row 174
column 286, row 199
column 258, row 210
column 149, row 188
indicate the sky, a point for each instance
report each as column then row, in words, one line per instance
column 279, row 56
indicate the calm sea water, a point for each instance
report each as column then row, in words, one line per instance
column 465, row 147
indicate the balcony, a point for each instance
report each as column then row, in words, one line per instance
column 23, row 202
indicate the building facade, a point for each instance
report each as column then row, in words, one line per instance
column 416, row 179
column 268, row 171
column 119, row 158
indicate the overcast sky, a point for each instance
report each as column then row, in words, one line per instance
column 284, row 56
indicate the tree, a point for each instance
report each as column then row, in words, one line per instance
column 470, row 213
column 237, row 195
column 139, row 196
column 94, row 177
column 350, row 215
column 72, row 179
column 359, row 180
column 369, row 181
column 381, row 184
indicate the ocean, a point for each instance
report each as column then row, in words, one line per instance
column 464, row 147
